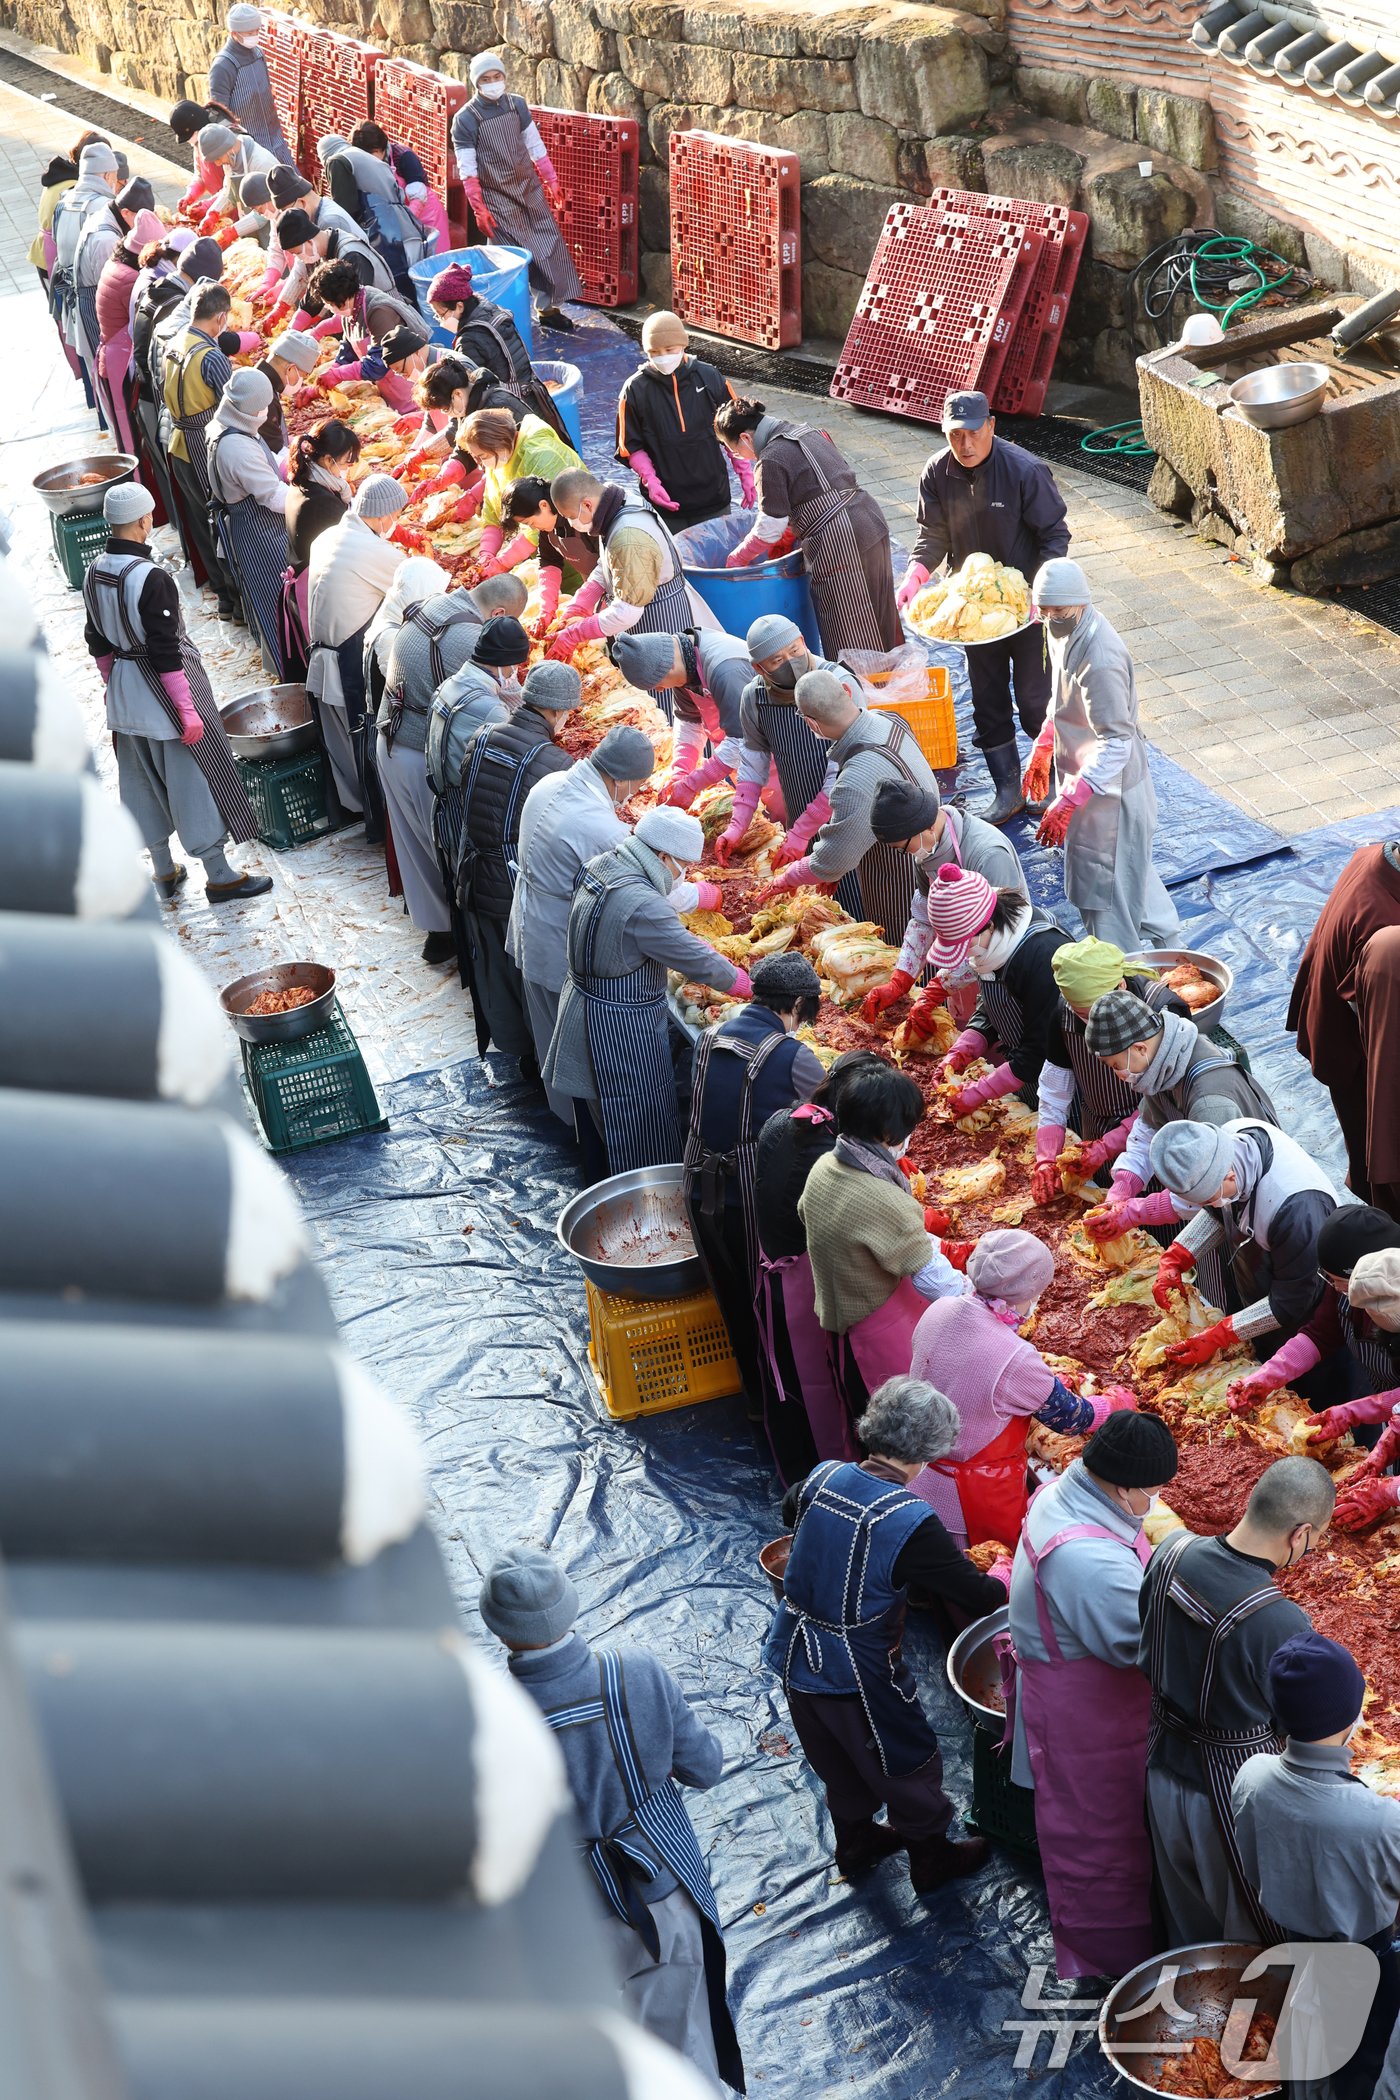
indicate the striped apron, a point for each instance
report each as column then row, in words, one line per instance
column 629, row 1049
column 105, row 593
column 193, row 427
column 659, row 1817
column 1222, row 1755
column 801, row 758
column 460, row 881
column 515, row 196
column 1001, row 1006
column 841, row 600
column 256, row 544
column 449, row 804
column 884, row 873
column 706, row 1172
column 669, row 611
column 1377, row 1353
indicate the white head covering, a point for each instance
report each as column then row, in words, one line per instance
column 486, row 62
column 673, row 831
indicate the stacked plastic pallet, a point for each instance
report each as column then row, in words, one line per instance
column 337, row 90
column 596, row 160
column 736, row 238
column 282, row 42
column 416, row 108
column 962, row 293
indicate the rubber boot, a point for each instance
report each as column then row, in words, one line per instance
column 861, row 1846
column 1004, row 765
column 934, row 1860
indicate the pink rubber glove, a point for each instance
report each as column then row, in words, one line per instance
column 104, row 665
column 1000, row 1571
column 328, row 325
column 1112, row 1219
column 586, row 599
column 1125, row 1183
column 1046, row 1183
column 1113, row 1400
column 792, row 878
column 914, row 579
column 177, row 690
column 550, row 580
column 1334, row 1422
column 336, row 375
column 747, row 480
column 1035, row 781
column 641, row 465
column 472, row 187
column 1099, row 1151
column 750, row 549
column 746, row 796
column 452, row 476
column 1365, row 1502
column 572, row 637
column 709, row 896
column 510, row 557
column 491, row 537
column 1388, row 1449
column 801, row 834
column 473, row 496
column 249, row 342
column 1055, row 823
column 741, row 987
column 270, row 281
column 1298, row 1355
column 1198, row 1349
column 996, row 1084
column 969, row 1045
column 549, row 183
column 681, row 791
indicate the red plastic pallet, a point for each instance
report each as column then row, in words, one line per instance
column 337, row 88
column 938, row 311
column 416, row 108
column 736, row 238
column 596, row 160
column 1025, row 376
column 282, row 44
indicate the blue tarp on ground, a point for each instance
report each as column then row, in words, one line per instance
column 439, row 1250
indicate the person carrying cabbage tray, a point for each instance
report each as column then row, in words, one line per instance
column 986, row 496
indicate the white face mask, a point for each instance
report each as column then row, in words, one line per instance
column 491, row 90
column 669, row 361
column 898, row 1151
column 250, row 43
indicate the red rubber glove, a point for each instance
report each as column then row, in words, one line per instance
column 996, row 1084
column 406, row 535
column 936, row 1222
column 472, row 187
column 741, row 987
column 225, row 237
column 210, row 222
column 1244, row 1394
column 925, row 1007
column 573, row 637
column 303, row 396
column 914, row 579
column 884, row 995
column 956, row 1252
column 1054, row 825
column 1388, row 1449
column 177, row 691
column 1198, row 1349
column 967, row 1047
column 1365, row 1502
column 1177, row 1261
column 1035, row 781
column 452, row 476
column 1332, row 1423
column 749, row 550
column 1097, row 1153
column 1046, row 1180
column 407, row 426
column 470, row 504
column 1112, row 1219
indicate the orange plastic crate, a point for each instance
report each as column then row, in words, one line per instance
column 932, row 719
column 652, row 1354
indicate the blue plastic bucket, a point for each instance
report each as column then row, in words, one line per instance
column 499, row 274
column 565, row 383
column 738, row 597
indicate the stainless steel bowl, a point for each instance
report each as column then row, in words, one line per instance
column 274, row 721
column 645, row 1207
column 237, row 997
column 974, row 1671
column 55, row 484
column 1281, row 395
column 1163, row 959
column 1203, row 1983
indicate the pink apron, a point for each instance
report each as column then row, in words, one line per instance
column 1086, row 1734
column 113, row 363
column 882, row 1344
column 789, row 1283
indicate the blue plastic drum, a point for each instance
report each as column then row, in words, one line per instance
column 565, row 383
column 499, row 274
column 738, row 597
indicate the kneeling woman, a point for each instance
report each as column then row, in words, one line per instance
column 971, row 1348
column 874, row 1267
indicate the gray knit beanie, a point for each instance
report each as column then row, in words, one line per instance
column 554, row 687
column 215, row 139
column 296, row 348
column 527, row 1600
column 379, row 496
column 625, row 754
column 1060, row 582
column 769, row 634
column 1192, row 1159
column 645, row 659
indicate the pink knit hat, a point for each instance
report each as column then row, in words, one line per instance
column 960, row 902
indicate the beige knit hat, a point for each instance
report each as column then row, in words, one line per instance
column 664, row 331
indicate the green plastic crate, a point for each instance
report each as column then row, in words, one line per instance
column 78, row 539
column 313, row 1090
column 1001, row 1810
column 289, row 798
column 1226, row 1041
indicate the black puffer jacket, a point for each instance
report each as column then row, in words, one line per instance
column 500, row 766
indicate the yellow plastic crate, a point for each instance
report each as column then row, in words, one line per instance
column 931, row 719
column 651, row 1354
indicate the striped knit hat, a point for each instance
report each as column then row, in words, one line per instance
column 960, row 902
